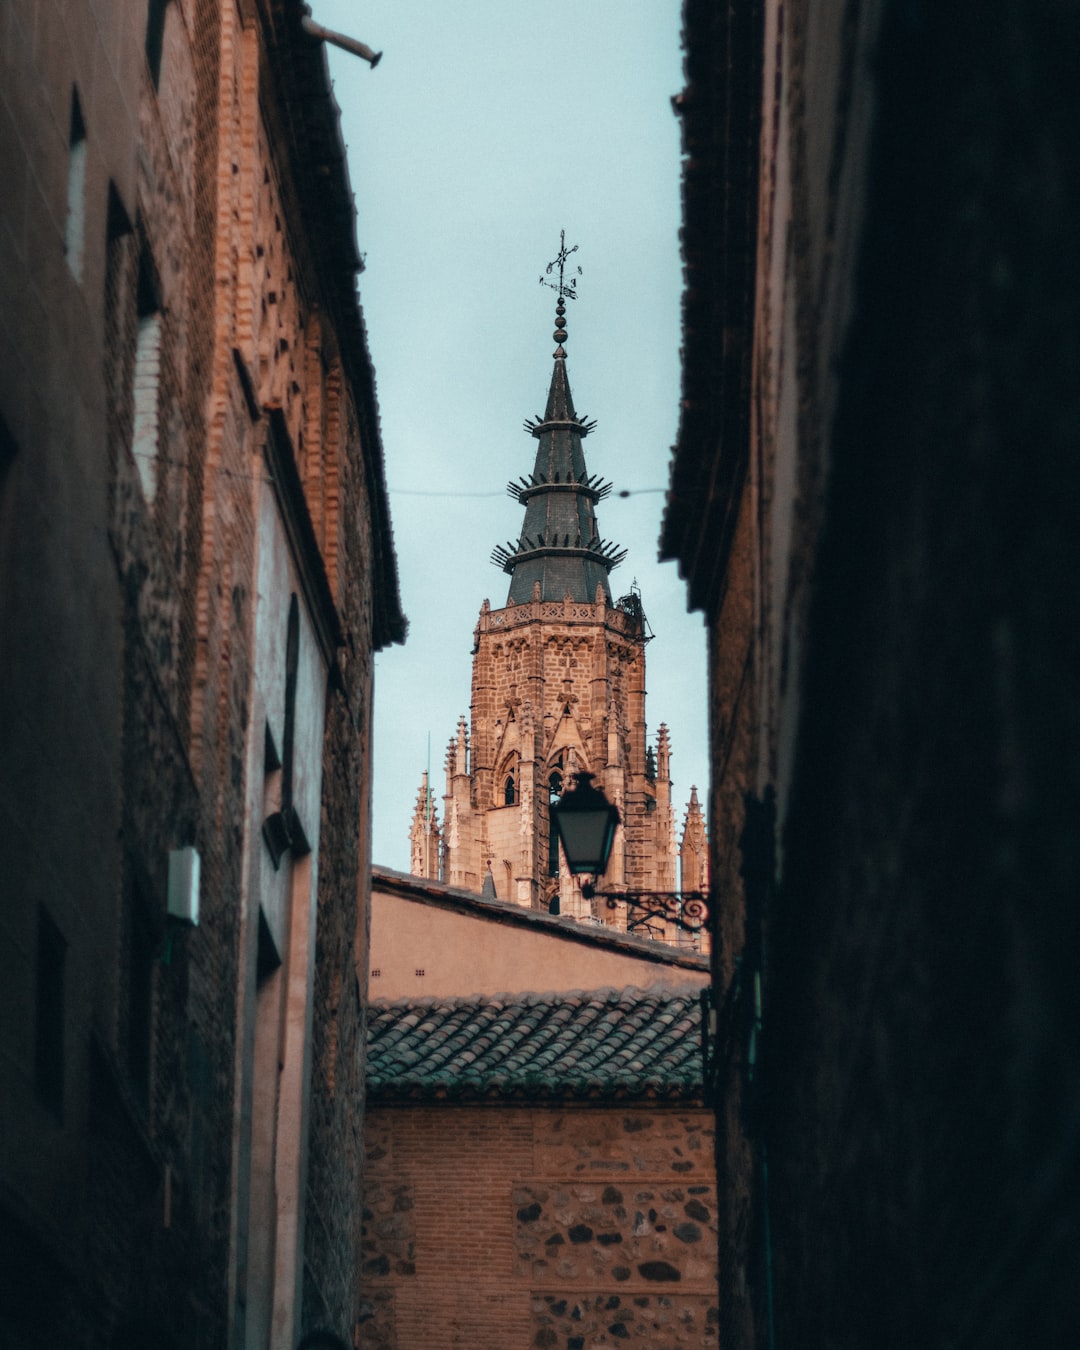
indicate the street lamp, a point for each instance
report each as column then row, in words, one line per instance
column 586, row 821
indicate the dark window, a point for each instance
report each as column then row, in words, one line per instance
column 120, row 321
column 75, row 226
column 49, row 1016
column 155, row 37
column 509, row 791
column 555, row 787
column 146, row 376
column 292, row 664
column 282, row 828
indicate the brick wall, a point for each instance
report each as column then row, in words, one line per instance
column 897, row 455
column 127, row 602
column 538, row 1226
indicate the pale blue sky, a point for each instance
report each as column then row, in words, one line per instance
column 489, row 126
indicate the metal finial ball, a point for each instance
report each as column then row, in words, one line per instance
column 559, row 335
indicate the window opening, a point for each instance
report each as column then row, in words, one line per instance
column 155, row 37
column 555, row 787
column 282, row 829
column 75, row 226
column 147, row 378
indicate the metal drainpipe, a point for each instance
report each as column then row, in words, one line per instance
column 347, row 44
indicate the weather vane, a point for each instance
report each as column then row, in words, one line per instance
column 567, row 289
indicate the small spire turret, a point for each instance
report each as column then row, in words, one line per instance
column 425, row 836
column 694, row 848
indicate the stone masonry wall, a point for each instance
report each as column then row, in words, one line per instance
column 510, row 1226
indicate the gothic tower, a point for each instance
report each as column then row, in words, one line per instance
column 558, row 686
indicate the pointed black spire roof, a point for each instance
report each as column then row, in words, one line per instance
column 559, row 546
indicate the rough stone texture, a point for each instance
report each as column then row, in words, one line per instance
column 575, row 1231
column 885, row 600
column 539, row 1227
column 652, row 1321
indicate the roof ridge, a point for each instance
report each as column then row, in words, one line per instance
column 666, row 992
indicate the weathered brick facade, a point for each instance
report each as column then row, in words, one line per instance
column 873, row 500
column 551, row 1227
column 195, row 568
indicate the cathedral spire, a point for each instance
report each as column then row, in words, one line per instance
column 559, row 547
column 425, row 836
column 694, row 847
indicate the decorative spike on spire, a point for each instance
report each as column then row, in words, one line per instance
column 663, row 753
column 566, row 290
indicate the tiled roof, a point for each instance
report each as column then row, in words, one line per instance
column 601, row 1043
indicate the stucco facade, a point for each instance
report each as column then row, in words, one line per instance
column 432, row 940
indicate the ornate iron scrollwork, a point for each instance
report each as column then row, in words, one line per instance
column 687, row 910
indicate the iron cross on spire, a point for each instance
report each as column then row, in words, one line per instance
column 565, row 289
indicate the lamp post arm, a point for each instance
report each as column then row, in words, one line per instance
column 687, row 910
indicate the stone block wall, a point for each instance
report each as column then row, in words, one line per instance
column 573, row 1227
column 556, row 687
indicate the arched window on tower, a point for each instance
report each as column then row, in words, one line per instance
column 555, row 788
column 507, row 788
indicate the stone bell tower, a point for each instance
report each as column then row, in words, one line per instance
column 558, row 686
